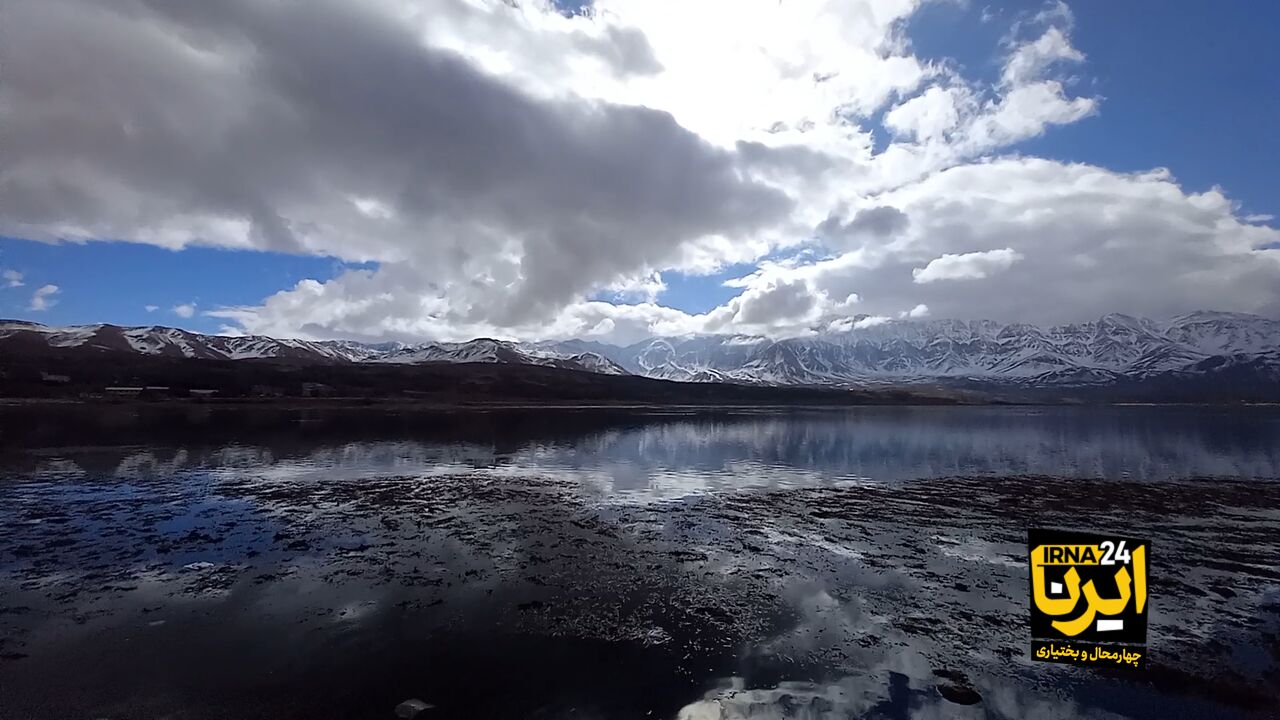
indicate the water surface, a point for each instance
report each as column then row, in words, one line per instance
column 209, row 562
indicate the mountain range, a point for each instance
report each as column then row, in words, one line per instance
column 1112, row 350
column 33, row 338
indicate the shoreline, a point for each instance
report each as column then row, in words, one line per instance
column 360, row 402
column 423, row 404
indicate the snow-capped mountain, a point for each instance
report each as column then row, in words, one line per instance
column 1099, row 352
column 1112, row 349
column 172, row 342
column 485, row 350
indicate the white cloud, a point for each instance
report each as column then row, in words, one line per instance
column 1067, row 241
column 12, row 278
column 1075, row 241
column 373, row 208
column 954, row 120
column 1029, row 61
column 1056, row 14
column 1025, row 112
column 43, row 298
column 931, row 115
column 645, row 288
column 966, row 266
column 871, row 321
column 517, row 173
column 151, row 308
column 184, row 310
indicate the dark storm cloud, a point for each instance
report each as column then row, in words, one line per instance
column 877, row 223
column 797, row 159
column 785, row 300
column 177, row 122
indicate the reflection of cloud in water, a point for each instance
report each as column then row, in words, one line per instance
column 884, row 693
column 866, row 593
column 902, row 443
column 681, row 456
column 146, row 462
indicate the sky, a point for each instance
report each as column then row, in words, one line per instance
column 620, row 169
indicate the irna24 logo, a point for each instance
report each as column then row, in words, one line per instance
column 1089, row 598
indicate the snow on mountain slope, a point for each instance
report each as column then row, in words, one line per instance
column 596, row 363
column 482, row 350
column 1216, row 333
column 173, row 342
column 1094, row 352
column 1098, row 352
column 485, row 350
column 57, row 337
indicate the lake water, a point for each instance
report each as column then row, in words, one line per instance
column 224, row 562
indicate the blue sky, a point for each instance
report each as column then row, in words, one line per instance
column 114, row 282
column 1191, row 87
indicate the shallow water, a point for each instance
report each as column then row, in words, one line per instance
column 203, row 562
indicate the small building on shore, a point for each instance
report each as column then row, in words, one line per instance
column 315, row 389
column 150, row 392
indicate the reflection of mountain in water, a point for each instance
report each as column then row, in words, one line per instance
column 665, row 455
column 426, row 554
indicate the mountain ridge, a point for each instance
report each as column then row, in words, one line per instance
column 1113, row 349
column 1093, row 352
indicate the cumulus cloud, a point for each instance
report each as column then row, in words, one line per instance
column 43, row 298
column 151, row 308
column 870, row 321
column 1029, row 61
column 331, row 128
column 185, row 310
column 931, row 115
column 645, row 287
column 1025, row 112
column 511, row 171
column 1070, row 242
column 770, row 303
column 12, row 278
column 966, row 266
column 953, row 120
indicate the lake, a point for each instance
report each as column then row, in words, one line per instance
column 207, row 561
